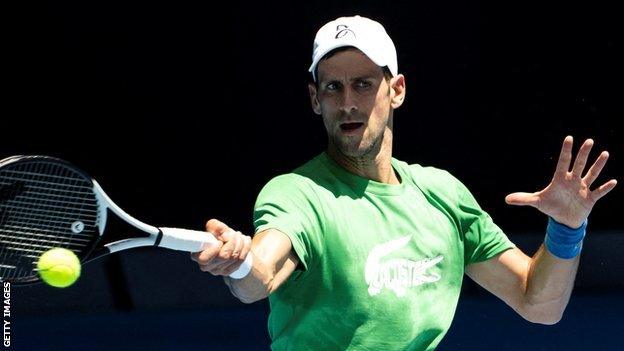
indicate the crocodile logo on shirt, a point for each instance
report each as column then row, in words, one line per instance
column 397, row 274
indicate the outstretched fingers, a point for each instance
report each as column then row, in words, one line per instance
column 603, row 190
column 596, row 168
column 565, row 157
column 581, row 158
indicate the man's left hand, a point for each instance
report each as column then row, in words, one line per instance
column 568, row 198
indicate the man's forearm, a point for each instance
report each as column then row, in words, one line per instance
column 270, row 252
column 264, row 277
column 549, row 286
column 256, row 286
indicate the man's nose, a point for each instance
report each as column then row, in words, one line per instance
column 349, row 101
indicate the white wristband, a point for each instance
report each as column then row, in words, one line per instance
column 244, row 268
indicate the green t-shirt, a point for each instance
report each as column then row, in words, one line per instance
column 381, row 265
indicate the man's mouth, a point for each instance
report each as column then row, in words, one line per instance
column 351, row 126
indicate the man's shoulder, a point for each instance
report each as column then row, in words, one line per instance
column 300, row 179
column 288, row 181
column 433, row 180
column 428, row 174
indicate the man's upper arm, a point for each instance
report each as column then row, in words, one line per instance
column 504, row 275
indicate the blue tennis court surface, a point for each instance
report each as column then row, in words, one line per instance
column 591, row 322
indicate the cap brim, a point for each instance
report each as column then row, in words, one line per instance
column 325, row 51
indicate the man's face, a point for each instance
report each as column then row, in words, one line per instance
column 354, row 99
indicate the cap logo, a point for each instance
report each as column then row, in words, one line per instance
column 343, row 30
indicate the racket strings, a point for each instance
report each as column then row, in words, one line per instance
column 43, row 205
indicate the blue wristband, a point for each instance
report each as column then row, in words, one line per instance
column 563, row 241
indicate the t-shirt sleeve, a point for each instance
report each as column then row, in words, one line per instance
column 287, row 203
column 483, row 239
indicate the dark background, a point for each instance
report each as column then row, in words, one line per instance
column 183, row 110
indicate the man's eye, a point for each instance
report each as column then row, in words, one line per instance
column 363, row 84
column 331, row 86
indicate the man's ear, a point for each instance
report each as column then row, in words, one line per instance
column 397, row 86
column 316, row 106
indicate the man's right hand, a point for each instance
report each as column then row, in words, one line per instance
column 274, row 261
column 225, row 257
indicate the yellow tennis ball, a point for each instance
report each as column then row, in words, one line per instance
column 59, row 267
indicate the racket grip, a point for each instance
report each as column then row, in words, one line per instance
column 195, row 241
column 186, row 240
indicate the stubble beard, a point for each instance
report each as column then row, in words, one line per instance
column 357, row 151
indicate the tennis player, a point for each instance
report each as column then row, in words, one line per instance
column 357, row 250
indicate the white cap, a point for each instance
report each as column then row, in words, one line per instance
column 368, row 36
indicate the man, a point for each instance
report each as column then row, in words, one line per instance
column 357, row 250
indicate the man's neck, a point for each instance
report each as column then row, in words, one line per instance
column 376, row 166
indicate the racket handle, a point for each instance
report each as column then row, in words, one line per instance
column 195, row 241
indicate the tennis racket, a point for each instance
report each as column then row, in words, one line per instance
column 46, row 203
